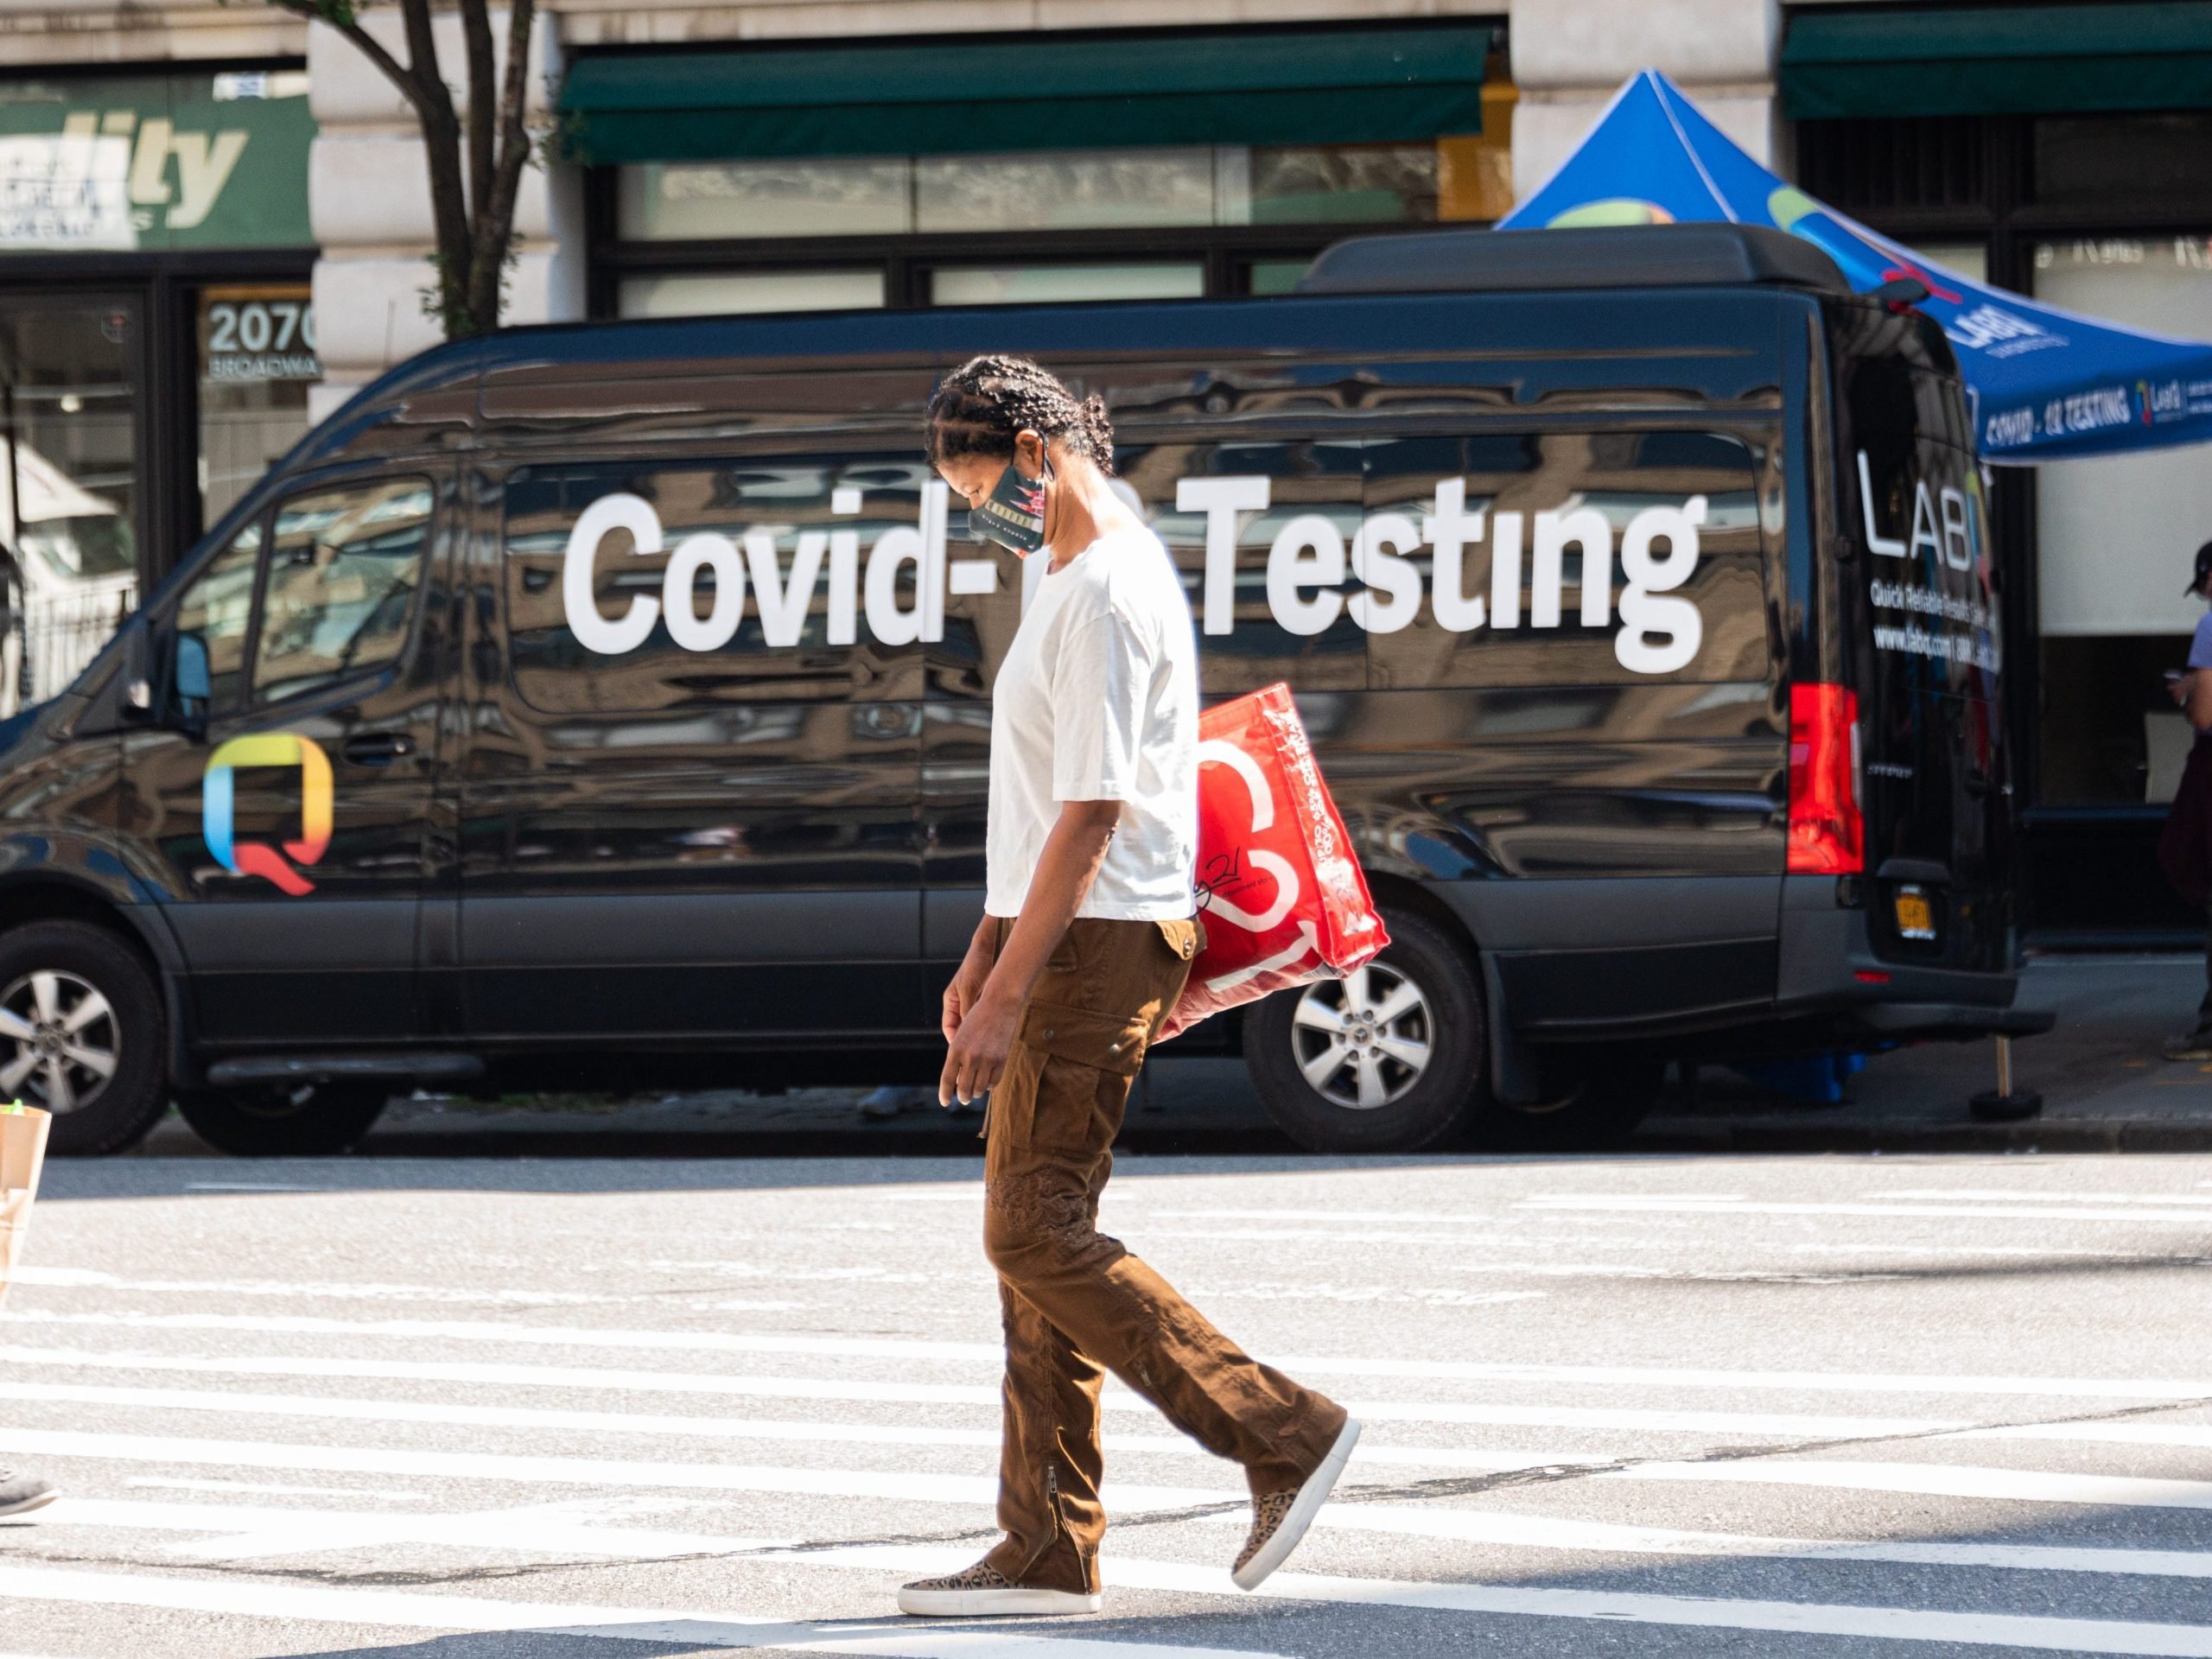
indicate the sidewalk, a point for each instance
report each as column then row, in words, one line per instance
column 2104, row 1085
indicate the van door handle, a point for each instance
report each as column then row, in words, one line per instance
column 376, row 748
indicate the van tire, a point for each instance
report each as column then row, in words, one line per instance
column 312, row 1120
column 1433, row 1103
column 86, row 960
column 1602, row 1110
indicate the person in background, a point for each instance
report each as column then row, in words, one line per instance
column 2185, row 846
column 881, row 1105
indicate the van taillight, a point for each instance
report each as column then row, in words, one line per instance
column 1826, row 833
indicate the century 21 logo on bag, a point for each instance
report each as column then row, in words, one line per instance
column 218, row 808
column 1310, row 558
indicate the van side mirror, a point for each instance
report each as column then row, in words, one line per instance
column 190, row 686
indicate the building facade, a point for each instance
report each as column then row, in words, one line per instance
column 213, row 227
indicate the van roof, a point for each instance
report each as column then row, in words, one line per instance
column 1631, row 255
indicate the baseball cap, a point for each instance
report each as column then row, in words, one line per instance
column 2204, row 569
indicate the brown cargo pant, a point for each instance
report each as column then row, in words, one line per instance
column 1073, row 1300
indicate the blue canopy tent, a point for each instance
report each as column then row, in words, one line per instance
column 2045, row 383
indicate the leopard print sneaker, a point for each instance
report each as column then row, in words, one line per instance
column 981, row 1590
column 1280, row 1519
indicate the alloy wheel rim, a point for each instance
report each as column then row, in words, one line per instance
column 1364, row 1041
column 63, row 1041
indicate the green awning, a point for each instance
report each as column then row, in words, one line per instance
column 1043, row 93
column 2002, row 61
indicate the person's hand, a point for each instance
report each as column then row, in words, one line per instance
column 975, row 1052
column 2177, row 688
column 965, row 989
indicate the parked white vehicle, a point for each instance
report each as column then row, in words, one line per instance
column 74, row 575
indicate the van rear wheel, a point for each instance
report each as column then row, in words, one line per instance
column 82, row 1035
column 312, row 1120
column 1390, row 1058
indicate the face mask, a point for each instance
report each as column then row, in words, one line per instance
column 1014, row 516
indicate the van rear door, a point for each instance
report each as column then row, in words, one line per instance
column 1920, row 621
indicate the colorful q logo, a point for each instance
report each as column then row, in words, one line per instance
column 252, row 857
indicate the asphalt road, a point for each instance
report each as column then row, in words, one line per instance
column 452, row 1409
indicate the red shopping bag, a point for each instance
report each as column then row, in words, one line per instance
column 1281, row 898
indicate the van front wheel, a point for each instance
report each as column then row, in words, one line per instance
column 1388, row 1059
column 313, row 1119
column 82, row 1035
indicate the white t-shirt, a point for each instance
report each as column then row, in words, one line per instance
column 1097, row 700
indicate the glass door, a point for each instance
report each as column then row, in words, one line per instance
column 72, row 380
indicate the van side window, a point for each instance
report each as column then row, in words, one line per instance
column 219, row 607
column 343, row 567
column 636, row 587
column 1582, row 558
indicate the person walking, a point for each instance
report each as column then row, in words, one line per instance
column 1089, row 931
column 2185, row 845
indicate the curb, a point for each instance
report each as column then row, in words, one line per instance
column 2037, row 1134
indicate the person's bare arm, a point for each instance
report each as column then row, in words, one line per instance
column 2197, row 701
column 979, row 1025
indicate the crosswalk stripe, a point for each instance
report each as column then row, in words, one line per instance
column 1796, row 1618
column 416, row 1610
column 1810, row 1426
column 411, row 1610
column 881, row 1485
column 357, row 1409
column 1658, row 1204
column 1939, row 1480
column 991, row 1354
column 2022, row 1485
column 243, row 1531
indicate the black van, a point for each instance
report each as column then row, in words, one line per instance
column 609, row 705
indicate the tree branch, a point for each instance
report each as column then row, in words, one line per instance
column 442, row 147
column 364, row 42
column 483, row 116
column 496, row 212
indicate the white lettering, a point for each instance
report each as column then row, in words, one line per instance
column 783, row 605
column 1958, row 540
column 1876, row 542
column 1586, row 529
column 1648, row 604
column 907, row 574
column 1923, row 521
column 1505, row 571
column 900, row 544
column 1374, row 549
column 1221, row 500
column 578, row 602
column 1308, row 552
column 705, row 551
column 1449, row 530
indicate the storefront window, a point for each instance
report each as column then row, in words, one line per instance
column 257, row 360
column 1312, row 184
column 1032, row 285
column 69, row 396
column 700, row 201
column 2088, row 161
column 2116, row 537
column 741, row 292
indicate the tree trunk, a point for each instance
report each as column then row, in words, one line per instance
column 475, row 162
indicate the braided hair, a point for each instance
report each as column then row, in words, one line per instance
column 981, row 406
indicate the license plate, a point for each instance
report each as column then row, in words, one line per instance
column 1915, row 916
